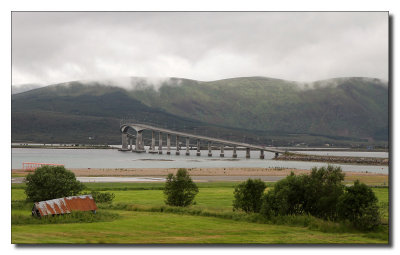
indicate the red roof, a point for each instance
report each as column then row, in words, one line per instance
column 65, row 205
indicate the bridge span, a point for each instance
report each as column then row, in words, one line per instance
column 139, row 144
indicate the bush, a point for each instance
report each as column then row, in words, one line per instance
column 316, row 194
column 248, row 195
column 286, row 198
column 50, row 182
column 359, row 205
column 323, row 187
column 180, row 190
column 106, row 197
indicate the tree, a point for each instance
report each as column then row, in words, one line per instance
column 287, row 197
column 180, row 190
column 50, row 182
column 323, row 187
column 359, row 205
column 248, row 195
column 316, row 194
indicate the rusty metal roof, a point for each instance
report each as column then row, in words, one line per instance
column 66, row 205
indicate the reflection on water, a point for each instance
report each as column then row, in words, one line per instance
column 97, row 158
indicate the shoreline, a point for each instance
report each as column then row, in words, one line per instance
column 206, row 174
column 122, row 175
column 334, row 159
column 216, row 171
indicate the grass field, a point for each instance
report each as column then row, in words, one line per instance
column 146, row 226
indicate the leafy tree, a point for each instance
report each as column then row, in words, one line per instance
column 359, row 205
column 248, row 195
column 50, row 182
column 180, row 190
column 287, row 197
column 316, row 194
column 323, row 187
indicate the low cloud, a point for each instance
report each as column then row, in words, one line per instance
column 59, row 47
column 130, row 83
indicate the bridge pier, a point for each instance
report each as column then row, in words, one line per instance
column 177, row 146
column 209, row 149
column 247, row 152
column 198, row 148
column 261, row 154
column 168, row 144
column 153, row 142
column 234, row 155
column 124, row 142
column 139, row 146
column 222, row 151
column 159, row 143
column 187, row 146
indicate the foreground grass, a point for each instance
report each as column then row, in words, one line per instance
column 145, row 219
column 150, row 227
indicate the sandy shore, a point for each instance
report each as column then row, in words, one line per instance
column 193, row 172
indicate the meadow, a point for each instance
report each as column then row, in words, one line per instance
column 138, row 215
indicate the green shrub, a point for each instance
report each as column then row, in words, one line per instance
column 99, row 197
column 323, row 187
column 50, row 182
column 248, row 196
column 359, row 205
column 315, row 194
column 286, row 198
column 180, row 190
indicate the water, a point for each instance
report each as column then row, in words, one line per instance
column 372, row 154
column 97, row 158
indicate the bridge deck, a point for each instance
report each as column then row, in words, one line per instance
column 204, row 138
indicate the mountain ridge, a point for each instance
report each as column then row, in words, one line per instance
column 355, row 107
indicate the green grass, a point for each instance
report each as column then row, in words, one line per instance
column 150, row 227
column 213, row 198
column 210, row 220
column 383, row 202
column 21, row 218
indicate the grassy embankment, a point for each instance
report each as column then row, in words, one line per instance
column 138, row 215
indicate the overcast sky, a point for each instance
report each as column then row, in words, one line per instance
column 59, row 47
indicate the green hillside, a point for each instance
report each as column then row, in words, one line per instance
column 254, row 109
column 352, row 107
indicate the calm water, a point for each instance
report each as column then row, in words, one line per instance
column 373, row 154
column 97, row 158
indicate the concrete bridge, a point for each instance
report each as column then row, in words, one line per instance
column 139, row 144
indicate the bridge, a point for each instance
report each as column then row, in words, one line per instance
column 127, row 139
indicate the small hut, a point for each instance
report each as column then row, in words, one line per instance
column 64, row 205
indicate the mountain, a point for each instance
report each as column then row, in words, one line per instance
column 15, row 89
column 350, row 107
column 73, row 112
column 252, row 108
